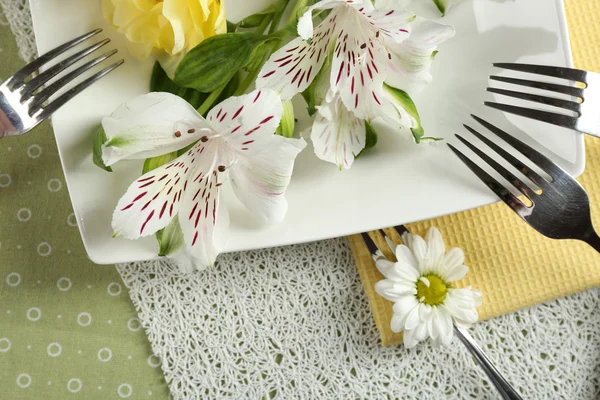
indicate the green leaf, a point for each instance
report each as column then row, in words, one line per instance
column 402, row 99
column 155, row 162
column 254, row 20
column 170, row 238
column 99, row 139
column 160, row 82
column 441, row 5
column 212, row 63
column 231, row 27
column 287, row 125
column 371, row 139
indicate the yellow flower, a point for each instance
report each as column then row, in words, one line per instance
column 167, row 29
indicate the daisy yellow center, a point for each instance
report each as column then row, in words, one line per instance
column 432, row 289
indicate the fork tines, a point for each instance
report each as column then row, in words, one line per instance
column 553, row 170
column 29, row 90
column 570, row 74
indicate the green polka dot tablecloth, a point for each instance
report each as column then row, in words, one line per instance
column 67, row 326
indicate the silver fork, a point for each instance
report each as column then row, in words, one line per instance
column 504, row 388
column 560, row 211
column 587, row 107
column 23, row 105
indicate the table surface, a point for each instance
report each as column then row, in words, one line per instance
column 68, row 327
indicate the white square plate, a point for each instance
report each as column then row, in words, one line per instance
column 397, row 182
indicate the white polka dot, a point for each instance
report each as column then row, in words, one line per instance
column 5, row 180
column 8, row 311
column 72, row 220
column 54, row 349
column 153, row 361
column 5, row 345
column 9, row 148
column 19, row 247
column 99, row 387
column 124, row 390
column 28, row 347
column 89, row 286
column 29, row 182
column 84, row 319
column 114, row 289
column 109, row 322
column 24, row 214
column 149, row 392
column 54, row 185
column 49, row 383
column 68, row 251
column 38, row 282
column 129, row 357
column 63, row 284
column 49, row 217
column 59, row 316
column 78, row 351
column 44, row 249
column 34, row 151
column 74, row 385
column 104, row 354
column 24, row 380
column 13, row 279
column 34, row 314
column 134, row 324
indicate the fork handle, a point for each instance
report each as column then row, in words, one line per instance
column 593, row 240
column 504, row 388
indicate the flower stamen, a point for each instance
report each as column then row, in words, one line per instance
column 431, row 290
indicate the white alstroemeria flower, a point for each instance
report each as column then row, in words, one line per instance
column 425, row 305
column 359, row 37
column 235, row 141
column 337, row 135
column 367, row 47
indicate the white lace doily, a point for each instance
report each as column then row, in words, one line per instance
column 294, row 322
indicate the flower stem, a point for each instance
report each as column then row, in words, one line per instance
column 264, row 24
column 206, row 105
column 280, row 9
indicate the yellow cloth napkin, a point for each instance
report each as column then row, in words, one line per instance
column 510, row 263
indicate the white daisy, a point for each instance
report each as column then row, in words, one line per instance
column 425, row 304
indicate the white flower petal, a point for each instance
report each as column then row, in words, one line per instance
column 292, row 68
column 440, row 323
column 426, row 313
column 146, row 127
column 359, row 65
column 465, row 297
column 435, row 244
column 247, row 123
column 399, row 271
column 404, row 306
column 409, row 339
column 405, row 255
column 455, row 273
column 337, row 135
column 305, row 24
column 454, row 257
column 393, row 291
column 397, row 323
column 421, row 332
column 419, row 249
column 260, row 181
column 413, row 318
column 411, row 59
column 152, row 201
column 204, row 221
column 393, row 23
